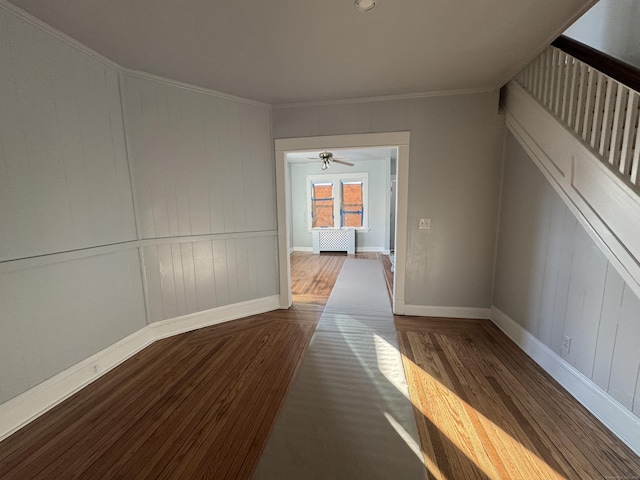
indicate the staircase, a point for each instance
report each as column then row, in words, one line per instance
column 581, row 127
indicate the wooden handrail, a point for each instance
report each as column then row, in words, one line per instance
column 624, row 73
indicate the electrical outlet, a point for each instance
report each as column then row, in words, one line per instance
column 424, row 224
column 566, row 343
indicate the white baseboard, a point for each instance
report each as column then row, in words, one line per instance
column 622, row 422
column 29, row 405
column 358, row 249
column 369, row 249
column 20, row 410
column 446, row 312
column 186, row 323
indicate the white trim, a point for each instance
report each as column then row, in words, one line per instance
column 616, row 252
column 401, row 228
column 27, row 406
column 370, row 249
column 362, row 140
column 209, row 236
column 447, row 312
column 358, row 250
column 386, row 98
column 623, row 423
column 194, row 321
column 59, row 257
column 92, row 251
column 400, row 140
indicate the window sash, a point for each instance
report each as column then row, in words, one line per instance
column 329, row 207
column 322, row 205
column 352, row 207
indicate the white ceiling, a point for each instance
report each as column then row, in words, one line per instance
column 353, row 155
column 288, row 51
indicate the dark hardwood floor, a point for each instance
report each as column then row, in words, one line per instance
column 201, row 404
column 197, row 405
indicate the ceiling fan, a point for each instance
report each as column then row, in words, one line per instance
column 327, row 158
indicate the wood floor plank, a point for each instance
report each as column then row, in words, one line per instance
column 170, row 406
column 478, row 392
column 314, row 275
column 554, row 406
column 509, row 427
column 201, row 404
column 175, row 418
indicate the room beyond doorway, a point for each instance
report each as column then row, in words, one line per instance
column 396, row 140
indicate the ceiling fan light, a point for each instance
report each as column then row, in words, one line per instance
column 364, row 5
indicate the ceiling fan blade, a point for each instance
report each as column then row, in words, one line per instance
column 343, row 162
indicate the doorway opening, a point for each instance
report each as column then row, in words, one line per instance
column 365, row 198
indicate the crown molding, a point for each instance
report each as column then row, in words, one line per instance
column 385, row 98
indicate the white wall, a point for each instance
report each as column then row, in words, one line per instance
column 71, row 246
column 611, row 26
column 453, row 179
column 204, row 184
column 64, row 187
column 553, row 280
column 378, row 182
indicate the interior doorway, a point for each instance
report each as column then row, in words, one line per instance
column 398, row 143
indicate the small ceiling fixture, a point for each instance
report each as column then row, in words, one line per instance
column 327, row 158
column 364, row 5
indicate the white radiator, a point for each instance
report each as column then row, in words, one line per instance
column 334, row 240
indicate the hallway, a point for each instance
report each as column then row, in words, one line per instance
column 202, row 405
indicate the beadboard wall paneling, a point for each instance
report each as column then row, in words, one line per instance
column 188, row 277
column 64, row 175
column 64, row 187
column 455, row 141
column 201, row 164
column 58, row 314
column 554, row 281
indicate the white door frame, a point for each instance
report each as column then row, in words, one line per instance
column 393, row 139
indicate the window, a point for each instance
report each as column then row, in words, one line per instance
column 322, row 205
column 337, row 201
column 352, row 209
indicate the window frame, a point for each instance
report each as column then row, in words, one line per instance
column 336, row 180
